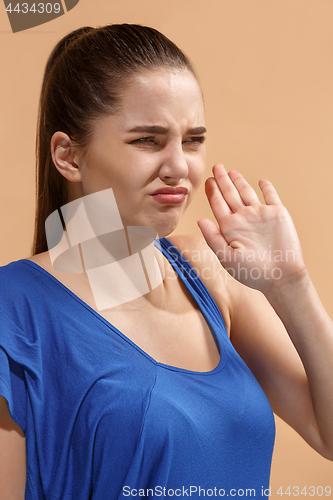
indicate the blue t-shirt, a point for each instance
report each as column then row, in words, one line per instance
column 104, row 421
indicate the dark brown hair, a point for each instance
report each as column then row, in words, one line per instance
column 83, row 79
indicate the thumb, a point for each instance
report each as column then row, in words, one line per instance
column 214, row 239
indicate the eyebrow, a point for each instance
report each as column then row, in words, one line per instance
column 155, row 129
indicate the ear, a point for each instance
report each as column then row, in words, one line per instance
column 64, row 156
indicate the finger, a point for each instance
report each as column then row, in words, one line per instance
column 215, row 239
column 246, row 192
column 218, row 204
column 227, row 188
column 269, row 192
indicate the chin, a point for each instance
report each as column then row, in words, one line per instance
column 164, row 234
column 164, row 229
column 164, row 223
column 167, row 225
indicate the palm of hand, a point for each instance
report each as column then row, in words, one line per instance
column 257, row 243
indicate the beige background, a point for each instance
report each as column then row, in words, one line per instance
column 266, row 69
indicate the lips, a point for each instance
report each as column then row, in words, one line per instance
column 170, row 195
column 171, row 190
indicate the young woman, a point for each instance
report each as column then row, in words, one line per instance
column 169, row 394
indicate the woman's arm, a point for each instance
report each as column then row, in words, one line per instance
column 259, row 246
column 12, row 456
column 311, row 331
column 297, row 381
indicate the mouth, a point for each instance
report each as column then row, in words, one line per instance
column 170, row 195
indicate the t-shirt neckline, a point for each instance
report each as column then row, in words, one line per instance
column 216, row 335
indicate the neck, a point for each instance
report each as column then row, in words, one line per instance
column 97, row 244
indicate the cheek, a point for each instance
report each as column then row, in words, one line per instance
column 198, row 172
column 126, row 187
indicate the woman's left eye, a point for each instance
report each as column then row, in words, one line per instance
column 201, row 139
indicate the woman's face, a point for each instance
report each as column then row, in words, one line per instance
column 154, row 143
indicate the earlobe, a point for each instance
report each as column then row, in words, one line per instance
column 64, row 157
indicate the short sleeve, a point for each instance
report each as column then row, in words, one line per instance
column 19, row 346
column 12, row 387
column 17, row 365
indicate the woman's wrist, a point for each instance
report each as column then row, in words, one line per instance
column 286, row 289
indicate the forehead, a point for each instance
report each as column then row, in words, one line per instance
column 169, row 98
column 163, row 83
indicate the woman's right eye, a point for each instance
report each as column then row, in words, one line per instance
column 144, row 139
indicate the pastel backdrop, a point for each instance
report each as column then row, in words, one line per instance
column 266, row 70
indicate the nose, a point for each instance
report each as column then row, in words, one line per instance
column 174, row 165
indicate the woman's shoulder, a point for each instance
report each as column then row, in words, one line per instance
column 229, row 294
column 33, row 271
column 22, row 282
column 21, row 270
column 209, row 269
column 14, row 273
column 20, row 296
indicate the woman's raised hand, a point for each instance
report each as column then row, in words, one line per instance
column 256, row 243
